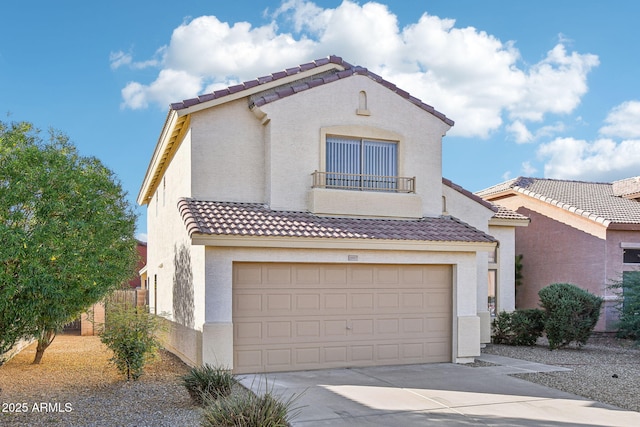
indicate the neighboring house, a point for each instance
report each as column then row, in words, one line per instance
column 585, row 233
column 300, row 221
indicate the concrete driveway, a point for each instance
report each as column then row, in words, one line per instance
column 441, row 394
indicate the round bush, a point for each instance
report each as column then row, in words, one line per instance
column 521, row 327
column 571, row 313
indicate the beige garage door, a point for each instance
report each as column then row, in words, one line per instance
column 310, row 316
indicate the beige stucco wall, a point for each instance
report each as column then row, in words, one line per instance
column 505, row 298
column 478, row 215
column 170, row 256
column 218, row 329
column 296, row 126
column 228, row 154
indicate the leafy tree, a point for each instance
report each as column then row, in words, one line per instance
column 66, row 234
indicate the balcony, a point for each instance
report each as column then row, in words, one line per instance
column 363, row 182
column 372, row 196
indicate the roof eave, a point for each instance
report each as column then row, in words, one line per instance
column 510, row 222
column 339, row 243
column 624, row 226
column 168, row 142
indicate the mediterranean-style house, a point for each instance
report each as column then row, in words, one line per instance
column 585, row 233
column 300, row 221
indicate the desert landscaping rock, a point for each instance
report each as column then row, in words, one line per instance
column 77, row 386
column 592, row 369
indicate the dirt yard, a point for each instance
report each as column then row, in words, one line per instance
column 75, row 385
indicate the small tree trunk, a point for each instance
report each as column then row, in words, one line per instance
column 45, row 339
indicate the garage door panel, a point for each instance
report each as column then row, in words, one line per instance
column 388, row 301
column 413, row 325
column 308, row 328
column 335, row 328
column 360, row 327
column 307, row 356
column 335, row 355
column 388, row 326
column 361, row 276
column 336, row 301
column 308, row 302
column 413, row 300
column 248, row 332
column 279, row 275
column 246, row 304
column 362, row 301
column 310, row 316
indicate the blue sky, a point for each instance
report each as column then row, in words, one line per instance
column 545, row 88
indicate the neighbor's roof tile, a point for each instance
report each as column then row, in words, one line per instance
column 595, row 200
column 254, row 219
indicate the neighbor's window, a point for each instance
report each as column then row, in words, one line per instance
column 631, row 256
column 361, row 163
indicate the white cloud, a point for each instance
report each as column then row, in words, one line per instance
column 600, row 160
column 471, row 76
column 528, row 169
column 623, row 121
column 554, row 85
column 520, row 132
column 522, row 135
column 118, row 59
column 171, row 85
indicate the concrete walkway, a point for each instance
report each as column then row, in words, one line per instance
column 443, row 394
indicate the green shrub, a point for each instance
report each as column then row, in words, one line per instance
column 250, row 410
column 521, row 327
column 628, row 289
column 207, row 383
column 571, row 314
column 130, row 333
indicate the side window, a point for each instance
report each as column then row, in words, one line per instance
column 631, row 256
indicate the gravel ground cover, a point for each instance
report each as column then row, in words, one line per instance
column 606, row 369
column 77, row 386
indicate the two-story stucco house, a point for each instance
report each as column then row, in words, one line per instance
column 585, row 233
column 300, row 221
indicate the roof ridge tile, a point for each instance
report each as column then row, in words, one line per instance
column 348, row 71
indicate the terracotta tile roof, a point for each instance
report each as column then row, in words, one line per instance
column 304, row 84
column 594, row 200
column 504, row 213
column 255, row 219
